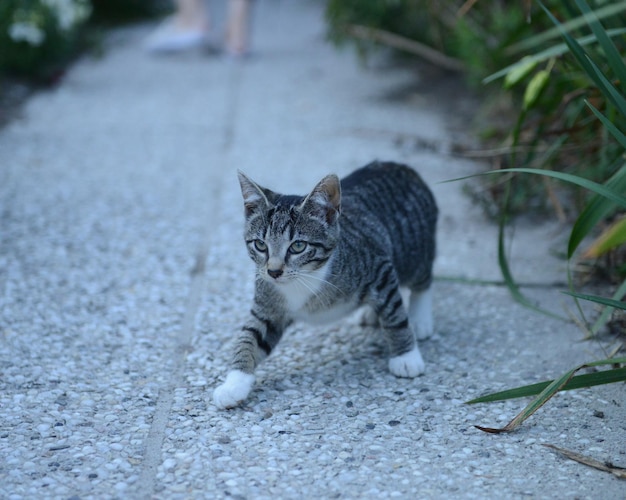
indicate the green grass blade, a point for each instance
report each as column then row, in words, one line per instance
column 507, row 276
column 510, row 283
column 616, row 304
column 612, row 54
column 589, row 66
column 577, row 382
column 545, row 395
column 549, row 53
column 615, row 132
column 600, row 13
column 609, row 193
column 597, row 209
column 608, row 89
column 606, row 314
column 611, row 238
column 600, row 189
column 574, row 47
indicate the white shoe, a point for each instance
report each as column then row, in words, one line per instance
column 171, row 38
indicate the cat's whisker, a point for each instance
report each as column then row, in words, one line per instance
column 318, row 293
column 323, row 280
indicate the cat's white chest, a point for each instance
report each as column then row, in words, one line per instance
column 326, row 315
column 297, row 294
column 307, row 299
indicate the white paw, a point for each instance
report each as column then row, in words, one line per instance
column 409, row 364
column 234, row 390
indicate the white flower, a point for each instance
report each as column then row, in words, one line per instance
column 26, row 32
column 69, row 13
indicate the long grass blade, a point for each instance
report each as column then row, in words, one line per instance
column 549, row 53
column 597, row 209
column 600, row 189
column 545, row 395
column 616, row 304
column 615, row 132
column 592, row 70
column 612, row 54
column 612, row 237
column 606, row 314
column 510, row 282
column 608, row 89
column 609, row 193
column 601, row 13
column 577, row 382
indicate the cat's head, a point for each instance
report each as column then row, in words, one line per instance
column 291, row 237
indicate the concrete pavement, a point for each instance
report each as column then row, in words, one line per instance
column 123, row 277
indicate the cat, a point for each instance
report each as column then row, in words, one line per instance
column 347, row 244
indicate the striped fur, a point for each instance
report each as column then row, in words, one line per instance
column 347, row 244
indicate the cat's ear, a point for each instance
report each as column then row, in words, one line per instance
column 325, row 199
column 254, row 196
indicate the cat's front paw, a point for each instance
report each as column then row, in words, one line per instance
column 234, row 390
column 410, row 364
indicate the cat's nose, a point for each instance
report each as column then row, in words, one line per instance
column 275, row 273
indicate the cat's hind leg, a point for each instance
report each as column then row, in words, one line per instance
column 421, row 312
column 366, row 316
column 405, row 360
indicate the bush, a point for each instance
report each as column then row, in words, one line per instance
column 548, row 124
column 39, row 36
column 121, row 11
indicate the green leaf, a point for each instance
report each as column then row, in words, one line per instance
column 615, row 132
column 616, row 304
column 549, row 53
column 577, row 382
column 609, row 90
column 604, row 317
column 611, row 194
column 608, row 10
column 546, row 394
column 519, row 71
column 612, row 54
column 589, row 66
column 597, row 209
column 535, row 88
column 610, row 238
column 507, row 276
column 509, row 281
column 573, row 45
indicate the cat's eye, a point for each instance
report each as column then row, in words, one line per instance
column 260, row 246
column 297, row 246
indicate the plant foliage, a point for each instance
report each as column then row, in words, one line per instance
column 608, row 196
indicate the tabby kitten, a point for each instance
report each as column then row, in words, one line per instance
column 321, row 256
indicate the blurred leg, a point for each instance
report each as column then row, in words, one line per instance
column 187, row 29
column 192, row 15
column 238, row 26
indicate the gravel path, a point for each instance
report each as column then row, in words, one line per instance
column 123, row 277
